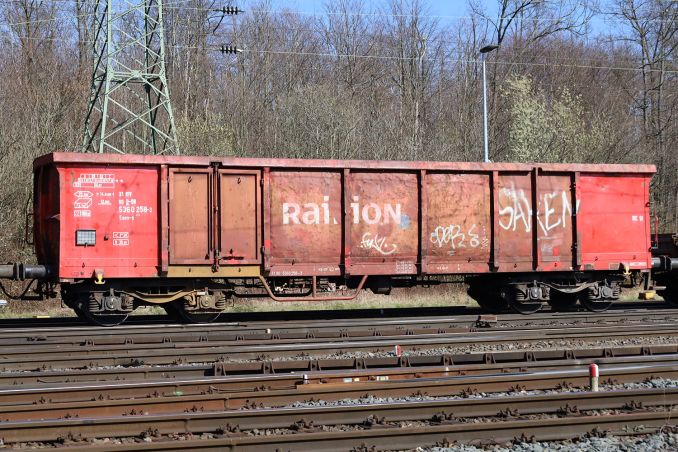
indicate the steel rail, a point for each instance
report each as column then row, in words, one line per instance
column 469, row 335
column 444, row 435
column 280, row 390
column 408, row 366
column 321, row 326
column 25, row 358
column 174, row 420
column 261, row 333
column 563, row 403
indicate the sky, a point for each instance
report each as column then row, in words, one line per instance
column 448, row 10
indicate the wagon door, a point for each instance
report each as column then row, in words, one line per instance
column 189, row 216
column 239, row 217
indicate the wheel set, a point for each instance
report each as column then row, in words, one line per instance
column 528, row 300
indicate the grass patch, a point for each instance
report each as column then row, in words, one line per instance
column 416, row 297
column 446, row 295
column 33, row 309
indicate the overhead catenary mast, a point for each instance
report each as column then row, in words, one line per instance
column 129, row 108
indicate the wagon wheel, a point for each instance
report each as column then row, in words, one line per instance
column 520, row 304
column 489, row 298
column 595, row 305
column 561, row 301
column 76, row 308
column 79, row 304
column 525, row 307
column 81, row 315
column 177, row 312
column 101, row 319
column 670, row 294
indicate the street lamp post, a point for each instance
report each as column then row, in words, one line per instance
column 483, row 51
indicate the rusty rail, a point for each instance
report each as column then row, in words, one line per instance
column 308, row 420
column 279, row 390
column 213, row 397
column 280, row 322
column 451, row 364
column 445, row 435
column 88, row 355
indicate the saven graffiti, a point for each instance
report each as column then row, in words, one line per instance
column 517, row 214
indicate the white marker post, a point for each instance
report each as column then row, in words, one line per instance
column 593, row 377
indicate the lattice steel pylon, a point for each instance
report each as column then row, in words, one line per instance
column 129, row 107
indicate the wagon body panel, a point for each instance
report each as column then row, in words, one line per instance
column 301, row 218
column 305, row 223
column 554, row 223
column 116, row 208
column 189, row 216
column 382, row 223
column 615, row 222
column 458, row 233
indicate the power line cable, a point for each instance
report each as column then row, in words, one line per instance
column 395, row 58
column 180, row 4
column 323, row 32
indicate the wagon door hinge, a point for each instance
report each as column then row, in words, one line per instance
column 216, row 216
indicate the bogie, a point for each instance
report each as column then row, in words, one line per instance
column 109, row 305
column 563, row 301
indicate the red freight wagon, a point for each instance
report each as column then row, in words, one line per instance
column 117, row 231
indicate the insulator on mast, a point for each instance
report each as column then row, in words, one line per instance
column 229, row 10
column 229, row 49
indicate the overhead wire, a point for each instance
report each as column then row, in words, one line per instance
column 395, row 58
column 331, row 54
column 175, row 3
column 181, row 4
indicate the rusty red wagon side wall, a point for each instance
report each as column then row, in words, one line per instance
column 120, row 204
column 153, row 214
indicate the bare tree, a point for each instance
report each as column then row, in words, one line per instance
column 413, row 40
column 654, row 33
column 351, row 35
column 33, row 25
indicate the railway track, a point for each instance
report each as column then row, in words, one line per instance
column 291, row 320
column 278, row 390
column 87, row 353
column 214, row 414
column 408, row 436
column 208, row 394
column 242, row 339
column 453, row 364
column 477, row 377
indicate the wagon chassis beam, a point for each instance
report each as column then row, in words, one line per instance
column 313, row 296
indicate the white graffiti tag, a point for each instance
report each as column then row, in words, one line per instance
column 517, row 212
column 453, row 236
column 554, row 215
column 369, row 213
column 377, row 243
